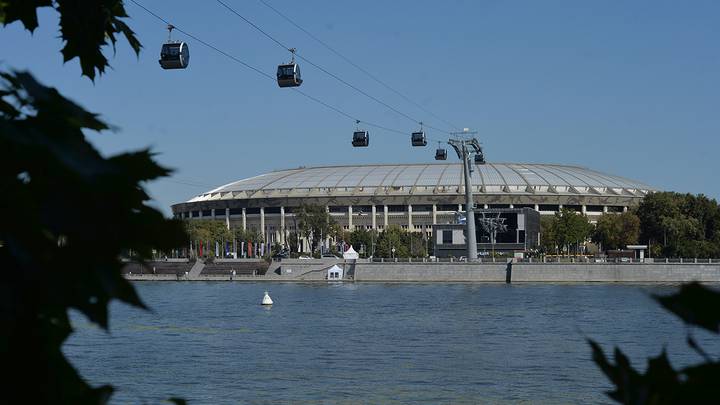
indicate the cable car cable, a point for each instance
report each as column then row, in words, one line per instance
column 346, row 59
column 175, row 27
column 233, row 58
column 334, row 76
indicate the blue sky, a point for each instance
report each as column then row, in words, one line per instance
column 628, row 88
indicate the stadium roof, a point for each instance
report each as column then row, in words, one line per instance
column 433, row 178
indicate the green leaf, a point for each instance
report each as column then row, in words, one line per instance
column 695, row 305
column 23, row 11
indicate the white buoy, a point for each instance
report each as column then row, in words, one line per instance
column 266, row 299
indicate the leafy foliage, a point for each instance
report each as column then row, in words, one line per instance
column 616, row 231
column 406, row 244
column 70, row 214
column 313, row 222
column 695, row 305
column 362, row 240
column 86, row 26
column 680, row 225
column 565, row 231
column 661, row 383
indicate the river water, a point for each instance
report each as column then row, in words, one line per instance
column 212, row 343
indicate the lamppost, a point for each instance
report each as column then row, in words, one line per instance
column 465, row 147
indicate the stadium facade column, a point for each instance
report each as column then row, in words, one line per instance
column 282, row 226
column 434, row 214
column 584, row 209
column 374, row 220
column 560, row 207
column 244, row 219
column 624, row 209
column 537, row 207
column 199, row 213
column 349, row 221
column 605, row 209
column 385, row 217
column 262, row 224
column 410, row 224
column 212, row 213
column 227, row 218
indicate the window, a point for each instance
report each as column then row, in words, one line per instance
column 365, row 209
column 447, row 237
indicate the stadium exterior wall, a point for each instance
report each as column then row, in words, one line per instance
column 269, row 210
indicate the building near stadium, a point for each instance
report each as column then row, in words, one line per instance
column 413, row 196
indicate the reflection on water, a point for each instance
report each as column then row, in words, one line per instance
column 370, row 343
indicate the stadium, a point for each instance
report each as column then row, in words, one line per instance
column 413, row 196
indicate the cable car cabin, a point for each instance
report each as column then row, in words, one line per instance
column 441, row 154
column 289, row 75
column 418, row 139
column 174, row 55
column 479, row 159
column 360, row 138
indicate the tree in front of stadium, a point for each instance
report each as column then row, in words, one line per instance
column 616, row 231
column 315, row 223
column 69, row 212
column 565, row 232
column 548, row 241
column 392, row 237
column 363, row 241
column 571, row 230
column 406, row 244
column 680, row 225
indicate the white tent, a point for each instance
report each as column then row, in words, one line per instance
column 334, row 273
column 350, row 254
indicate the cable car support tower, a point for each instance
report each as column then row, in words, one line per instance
column 466, row 145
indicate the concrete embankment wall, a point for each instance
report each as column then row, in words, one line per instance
column 429, row 272
column 307, row 270
column 540, row 272
column 316, row 270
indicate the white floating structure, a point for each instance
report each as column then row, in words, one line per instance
column 266, row 299
column 334, row 273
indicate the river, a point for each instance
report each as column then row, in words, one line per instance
column 351, row 343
